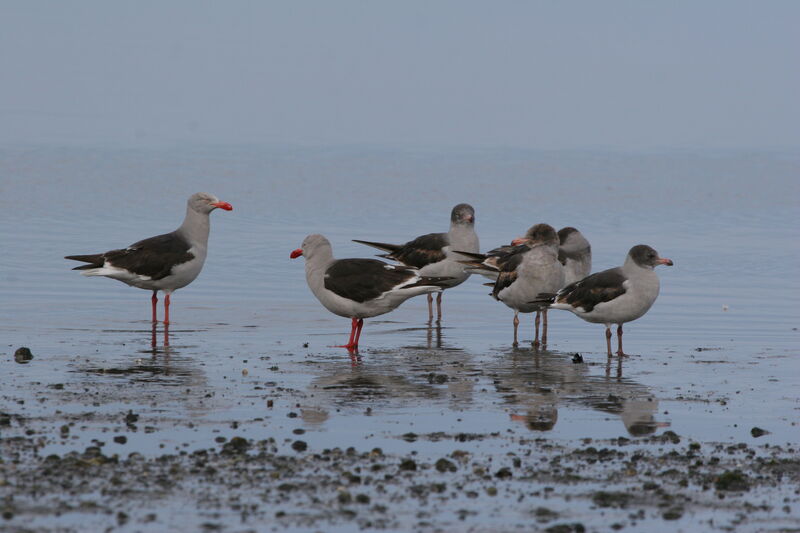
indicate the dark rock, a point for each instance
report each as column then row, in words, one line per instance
column 299, row 446
column 120, row 439
column 566, row 528
column 503, row 473
column 408, row 464
column 577, row 358
column 669, row 436
column 437, row 378
column 758, row 432
column 611, row 499
column 443, row 465
column 732, row 480
column 236, row 445
column 543, row 514
column 23, row 355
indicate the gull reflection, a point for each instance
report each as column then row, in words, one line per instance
column 535, row 384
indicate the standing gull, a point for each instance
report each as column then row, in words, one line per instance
column 614, row 296
column 523, row 270
column 433, row 253
column 163, row 263
column 359, row 288
column 575, row 253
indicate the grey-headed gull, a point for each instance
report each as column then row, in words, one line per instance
column 527, row 273
column 359, row 288
column 575, row 253
column 163, row 263
column 614, row 296
column 433, row 253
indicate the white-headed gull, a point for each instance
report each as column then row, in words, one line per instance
column 359, row 288
column 162, row 263
column 433, row 253
column 614, row 296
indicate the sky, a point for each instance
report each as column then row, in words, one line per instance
column 622, row 75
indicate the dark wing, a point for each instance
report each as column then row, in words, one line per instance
column 153, row 257
column 422, row 251
column 593, row 290
column 504, row 254
column 386, row 247
column 361, row 280
column 508, row 273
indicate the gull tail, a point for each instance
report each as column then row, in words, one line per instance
column 94, row 261
column 391, row 248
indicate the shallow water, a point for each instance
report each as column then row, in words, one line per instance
column 716, row 356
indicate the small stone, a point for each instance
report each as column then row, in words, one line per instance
column 120, row 439
column 503, row 473
column 236, row 445
column 577, row 358
column 758, row 432
column 443, row 465
column 733, row 480
column 299, row 446
column 408, row 464
column 23, row 355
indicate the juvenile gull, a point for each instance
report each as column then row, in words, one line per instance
column 574, row 252
column 433, row 253
column 360, row 288
column 613, row 296
column 526, row 271
column 163, row 263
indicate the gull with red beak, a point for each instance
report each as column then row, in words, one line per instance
column 359, row 288
column 163, row 263
column 433, row 254
column 614, row 296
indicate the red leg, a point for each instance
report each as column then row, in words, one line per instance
column 166, row 309
column 358, row 332
column 154, row 299
column 536, row 323
column 608, row 339
column 350, row 344
column 430, row 308
column 439, row 307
